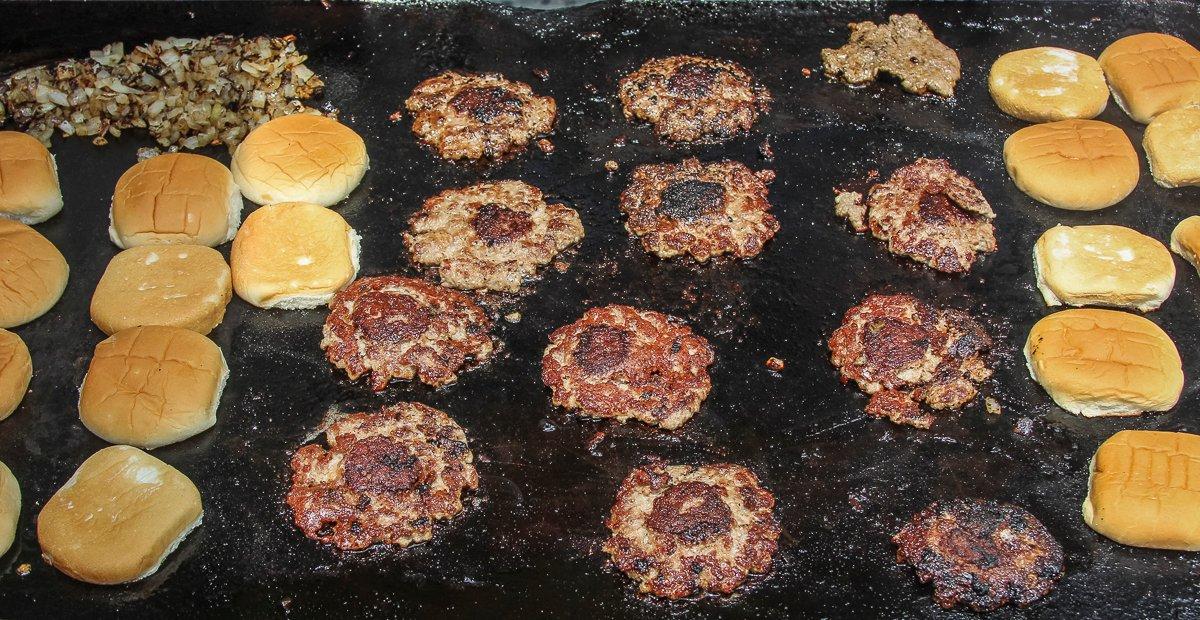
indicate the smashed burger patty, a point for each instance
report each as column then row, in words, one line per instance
column 678, row 530
column 703, row 210
column 692, row 98
column 620, row 362
column 478, row 115
column 980, row 553
column 925, row 211
column 394, row 327
column 904, row 47
column 904, row 352
column 385, row 477
column 491, row 235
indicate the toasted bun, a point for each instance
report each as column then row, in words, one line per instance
column 1048, row 84
column 30, row 192
column 1103, row 266
column 10, row 508
column 300, row 158
column 184, row 286
column 1104, row 362
column 175, row 198
column 118, row 517
column 293, row 255
column 1185, row 240
column 1142, row 490
column 34, row 273
column 151, row 386
column 1150, row 73
column 16, row 369
column 1079, row 165
column 1172, row 144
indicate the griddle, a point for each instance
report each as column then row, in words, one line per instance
column 528, row 544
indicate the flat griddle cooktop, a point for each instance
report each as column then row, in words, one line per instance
column 529, row 543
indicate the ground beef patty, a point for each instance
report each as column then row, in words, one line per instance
column 904, row 352
column 904, row 47
column 385, row 477
column 928, row 212
column 478, row 115
column 703, row 210
column 980, row 553
column 620, row 362
column 678, row 529
column 392, row 327
column 491, row 235
column 694, row 99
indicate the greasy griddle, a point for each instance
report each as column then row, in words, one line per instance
column 529, row 546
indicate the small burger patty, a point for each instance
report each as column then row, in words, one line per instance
column 478, row 115
column 904, row 352
column 928, row 212
column 904, row 47
column 694, row 99
column 702, row 210
column 393, row 327
column 385, row 477
column 492, row 235
column 980, row 553
column 620, row 362
column 678, row 529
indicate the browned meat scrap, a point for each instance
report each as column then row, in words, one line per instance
column 903, row 47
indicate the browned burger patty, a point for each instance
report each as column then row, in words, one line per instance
column 980, row 553
column 904, row 352
column 694, row 99
column 385, row 477
column 904, row 47
column 702, row 210
column 393, row 327
column 678, row 529
column 620, row 362
column 478, row 115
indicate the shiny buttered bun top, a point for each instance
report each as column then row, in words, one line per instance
column 29, row 191
column 1048, row 84
column 175, row 198
column 1079, row 165
column 10, row 508
column 300, row 158
column 184, row 286
column 33, row 273
column 1102, row 265
column 1150, row 73
column 16, row 369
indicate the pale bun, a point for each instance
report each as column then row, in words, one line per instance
column 118, row 517
column 30, row 193
column 1172, row 144
column 1150, row 73
column 300, row 158
column 10, row 508
column 1048, row 84
column 34, row 272
column 1185, row 240
column 1079, row 165
column 184, row 286
column 1102, row 266
column 175, row 198
column 16, row 369
column 1104, row 362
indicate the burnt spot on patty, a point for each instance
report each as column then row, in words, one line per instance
column 690, row 200
column 692, row 80
column 601, row 348
column 892, row 345
column 495, row 223
column 693, row 511
column 391, row 318
column 378, row 464
column 486, row 104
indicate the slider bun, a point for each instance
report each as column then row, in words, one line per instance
column 1185, row 240
column 34, row 273
column 10, row 508
column 1048, row 84
column 1150, row 73
column 184, row 286
column 300, row 158
column 1102, row 266
column 1079, row 165
column 1172, row 143
column 16, row 369
column 1104, row 362
column 1142, row 490
column 30, row 192
column 151, row 386
column 293, row 255
column 175, row 198
column 118, row 517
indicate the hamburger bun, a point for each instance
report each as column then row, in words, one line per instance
column 1079, row 165
column 34, row 273
column 16, row 369
column 1150, row 73
column 1102, row 266
column 300, row 158
column 10, row 508
column 151, row 386
column 1104, row 363
column 175, row 198
column 118, row 517
column 293, row 255
column 184, row 286
column 1142, row 490
column 1185, row 240
column 1048, row 84
column 1172, row 144
column 30, row 192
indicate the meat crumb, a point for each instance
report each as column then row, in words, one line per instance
column 545, row 145
column 594, row 443
column 774, row 363
column 806, row 71
column 765, row 150
column 24, row 569
column 513, row 317
column 542, row 73
column 396, row 116
column 612, row 166
column 620, row 141
column 991, row 405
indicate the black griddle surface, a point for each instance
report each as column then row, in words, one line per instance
column 529, row 545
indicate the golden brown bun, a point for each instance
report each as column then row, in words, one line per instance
column 1079, row 165
column 293, row 255
column 1172, row 143
column 1104, row 362
column 118, row 517
column 1102, row 266
column 1150, row 73
column 1048, row 84
column 1185, row 240
column 1144, row 490
column 184, row 286
column 16, row 369
column 10, row 508
column 29, row 191
column 34, row 273
column 151, row 386
column 300, row 158
column 175, row 198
